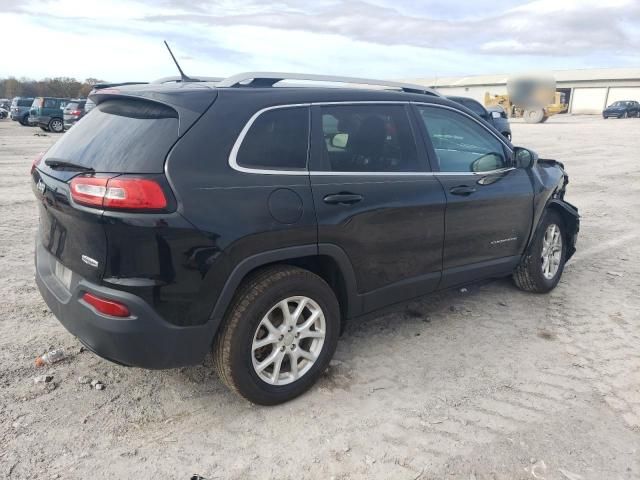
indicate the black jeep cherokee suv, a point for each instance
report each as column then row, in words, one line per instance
column 253, row 220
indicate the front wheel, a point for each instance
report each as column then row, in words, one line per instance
column 534, row 116
column 279, row 335
column 541, row 267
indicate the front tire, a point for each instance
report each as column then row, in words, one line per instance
column 279, row 335
column 534, row 116
column 541, row 267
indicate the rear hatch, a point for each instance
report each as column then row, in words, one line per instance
column 116, row 152
column 73, row 110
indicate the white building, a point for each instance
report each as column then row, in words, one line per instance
column 587, row 91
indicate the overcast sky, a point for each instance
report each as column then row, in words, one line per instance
column 122, row 40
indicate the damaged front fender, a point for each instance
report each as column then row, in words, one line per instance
column 571, row 219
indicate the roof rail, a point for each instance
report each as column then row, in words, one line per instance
column 178, row 79
column 269, row 79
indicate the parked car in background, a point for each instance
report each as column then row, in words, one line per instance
column 19, row 110
column 497, row 117
column 500, row 120
column 328, row 204
column 73, row 112
column 622, row 109
column 4, row 113
column 46, row 112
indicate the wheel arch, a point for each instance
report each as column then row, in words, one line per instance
column 327, row 261
column 571, row 218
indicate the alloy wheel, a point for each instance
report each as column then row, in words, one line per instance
column 57, row 126
column 288, row 340
column 551, row 251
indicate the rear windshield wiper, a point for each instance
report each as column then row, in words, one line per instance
column 60, row 165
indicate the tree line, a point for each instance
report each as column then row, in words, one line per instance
column 64, row 87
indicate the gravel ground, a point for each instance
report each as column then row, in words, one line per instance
column 487, row 383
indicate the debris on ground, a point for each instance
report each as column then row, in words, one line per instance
column 50, row 357
column 84, row 380
column 570, row 475
column 97, row 384
column 43, row 379
column 40, row 135
column 463, row 290
column 614, row 274
column 503, row 304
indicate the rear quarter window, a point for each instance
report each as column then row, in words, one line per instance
column 277, row 140
column 123, row 136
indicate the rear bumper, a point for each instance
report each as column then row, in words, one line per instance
column 143, row 339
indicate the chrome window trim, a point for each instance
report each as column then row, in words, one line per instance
column 233, row 155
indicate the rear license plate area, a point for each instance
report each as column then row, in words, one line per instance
column 63, row 274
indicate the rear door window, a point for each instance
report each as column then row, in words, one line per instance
column 125, row 136
column 277, row 140
column 368, row 138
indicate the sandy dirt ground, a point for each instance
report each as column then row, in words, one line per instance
column 487, row 383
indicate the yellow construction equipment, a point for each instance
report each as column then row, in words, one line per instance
column 534, row 99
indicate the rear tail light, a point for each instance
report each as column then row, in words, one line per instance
column 75, row 112
column 36, row 161
column 108, row 307
column 118, row 193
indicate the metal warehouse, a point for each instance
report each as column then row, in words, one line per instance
column 586, row 91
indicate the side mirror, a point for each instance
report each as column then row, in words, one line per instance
column 524, row 158
column 495, row 115
column 340, row 140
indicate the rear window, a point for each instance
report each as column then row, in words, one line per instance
column 71, row 106
column 24, row 102
column 125, row 136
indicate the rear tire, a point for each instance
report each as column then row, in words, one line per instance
column 24, row 121
column 244, row 366
column 534, row 274
column 56, row 125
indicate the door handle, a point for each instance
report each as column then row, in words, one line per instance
column 343, row 198
column 462, row 190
